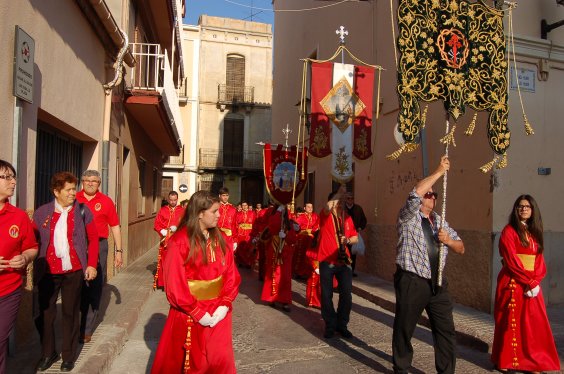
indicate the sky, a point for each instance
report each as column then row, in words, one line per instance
column 238, row 9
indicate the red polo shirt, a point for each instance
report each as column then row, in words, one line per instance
column 328, row 242
column 16, row 236
column 103, row 209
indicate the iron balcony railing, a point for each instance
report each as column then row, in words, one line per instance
column 218, row 158
column 152, row 72
column 228, row 94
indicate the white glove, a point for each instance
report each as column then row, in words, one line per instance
column 296, row 227
column 281, row 234
column 533, row 292
column 206, row 320
column 317, row 271
column 163, row 232
column 173, row 228
column 234, row 247
column 280, row 208
column 219, row 315
column 255, row 240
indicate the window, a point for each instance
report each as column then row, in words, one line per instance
column 156, row 202
column 233, row 139
column 141, row 188
column 235, row 78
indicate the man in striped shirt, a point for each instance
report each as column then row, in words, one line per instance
column 420, row 233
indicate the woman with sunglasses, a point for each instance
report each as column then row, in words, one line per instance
column 523, row 339
column 18, row 248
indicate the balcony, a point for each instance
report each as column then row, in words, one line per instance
column 210, row 159
column 235, row 95
column 175, row 162
column 152, row 99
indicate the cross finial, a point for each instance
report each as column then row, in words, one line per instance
column 342, row 32
column 286, row 132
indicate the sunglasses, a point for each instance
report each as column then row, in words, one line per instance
column 431, row 195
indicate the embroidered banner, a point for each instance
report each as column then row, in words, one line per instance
column 452, row 51
column 280, row 171
column 341, row 105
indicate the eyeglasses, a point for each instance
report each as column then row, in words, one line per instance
column 524, row 207
column 90, row 181
column 431, row 195
column 8, row 178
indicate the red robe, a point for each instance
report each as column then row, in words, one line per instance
column 527, row 344
column 166, row 217
column 309, row 224
column 245, row 254
column 261, row 236
column 210, row 349
column 228, row 220
column 278, row 276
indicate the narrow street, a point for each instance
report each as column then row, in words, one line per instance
column 268, row 340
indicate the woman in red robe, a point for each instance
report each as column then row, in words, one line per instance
column 201, row 283
column 523, row 339
column 277, row 286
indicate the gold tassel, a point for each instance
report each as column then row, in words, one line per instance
column 449, row 138
column 528, row 128
column 487, row 167
column 470, row 130
column 405, row 148
column 503, row 162
column 424, row 117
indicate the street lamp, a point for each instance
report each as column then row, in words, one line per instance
column 548, row 27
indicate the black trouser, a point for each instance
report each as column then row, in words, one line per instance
column 413, row 294
column 340, row 319
column 70, row 285
column 92, row 292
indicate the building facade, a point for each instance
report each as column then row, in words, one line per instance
column 105, row 78
column 227, row 110
column 477, row 204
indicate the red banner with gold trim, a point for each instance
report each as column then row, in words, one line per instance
column 280, row 171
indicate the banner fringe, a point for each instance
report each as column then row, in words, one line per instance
column 487, row 167
column 449, row 138
column 470, row 129
column 405, row 148
column 528, row 128
column 424, row 117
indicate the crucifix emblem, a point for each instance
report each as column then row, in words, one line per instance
column 286, row 133
column 453, row 46
column 342, row 33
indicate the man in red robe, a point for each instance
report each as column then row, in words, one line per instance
column 309, row 224
column 261, row 237
column 227, row 216
column 166, row 224
column 245, row 255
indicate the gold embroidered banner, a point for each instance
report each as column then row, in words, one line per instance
column 452, row 50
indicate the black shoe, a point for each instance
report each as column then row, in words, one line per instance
column 345, row 333
column 67, row 366
column 355, row 275
column 286, row 308
column 46, row 362
column 328, row 334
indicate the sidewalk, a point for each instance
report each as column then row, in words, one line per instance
column 473, row 327
column 124, row 296
column 129, row 290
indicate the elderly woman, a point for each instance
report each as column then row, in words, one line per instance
column 17, row 249
column 68, row 253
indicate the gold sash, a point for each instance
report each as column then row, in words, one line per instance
column 226, row 231
column 246, row 226
column 305, row 232
column 206, row 289
column 528, row 261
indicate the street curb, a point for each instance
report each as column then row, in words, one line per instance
column 380, row 295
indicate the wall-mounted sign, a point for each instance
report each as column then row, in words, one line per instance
column 527, row 79
column 24, row 53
